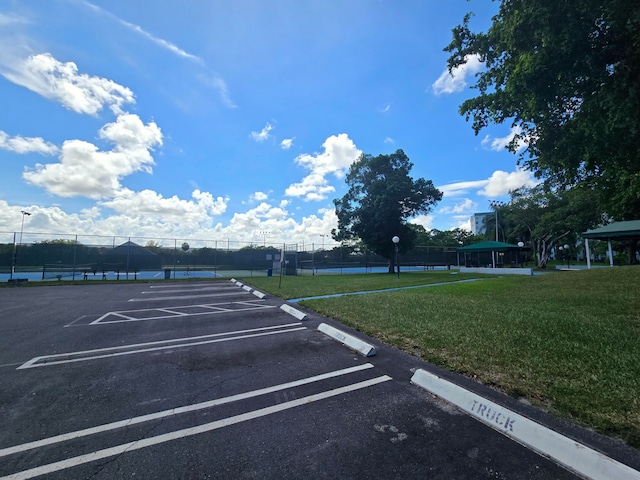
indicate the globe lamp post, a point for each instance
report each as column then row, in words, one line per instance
column 396, row 240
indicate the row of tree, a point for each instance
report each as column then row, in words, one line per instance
column 566, row 77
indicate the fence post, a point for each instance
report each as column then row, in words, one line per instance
column 75, row 250
column 175, row 256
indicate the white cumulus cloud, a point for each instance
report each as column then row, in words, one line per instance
column 263, row 134
column 497, row 144
column 19, row 144
column 501, row 183
column 455, row 81
column 498, row 184
column 148, row 203
column 287, row 143
column 339, row 153
column 63, row 83
column 425, row 220
column 466, row 205
column 84, row 170
column 259, row 196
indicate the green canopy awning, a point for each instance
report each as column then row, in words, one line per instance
column 615, row 230
column 490, row 246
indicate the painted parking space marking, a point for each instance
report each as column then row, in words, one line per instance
column 171, row 286
column 179, row 311
column 191, row 289
column 180, row 297
column 178, row 410
column 569, row 453
column 120, row 350
column 191, row 431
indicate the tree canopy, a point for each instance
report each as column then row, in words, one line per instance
column 382, row 197
column 566, row 74
column 545, row 219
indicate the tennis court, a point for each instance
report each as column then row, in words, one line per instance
column 90, row 272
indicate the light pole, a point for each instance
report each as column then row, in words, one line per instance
column 520, row 245
column 15, row 251
column 566, row 252
column 495, row 204
column 396, row 240
column 323, row 235
column 264, row 237
column 24, row 213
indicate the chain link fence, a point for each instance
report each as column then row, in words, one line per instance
column 45, row 256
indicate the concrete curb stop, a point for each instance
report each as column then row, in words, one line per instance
column 258, row 294
column 239, row 284
column 247, row 288
column 348, row 340
column 292, row 311
column 567, row 452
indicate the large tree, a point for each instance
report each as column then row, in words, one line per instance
column 382, row 197
column 545, row 218
column 566, row 74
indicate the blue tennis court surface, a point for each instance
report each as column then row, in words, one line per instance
column 171, row 274
column 144, row 275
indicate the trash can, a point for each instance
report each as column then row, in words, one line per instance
column 167, row 274
column 270, row 272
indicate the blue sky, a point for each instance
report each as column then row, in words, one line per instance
column 228, row 119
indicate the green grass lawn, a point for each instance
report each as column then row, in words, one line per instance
column 568, row 341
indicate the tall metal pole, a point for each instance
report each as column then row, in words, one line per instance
column 397, row 264
column 13, row 257
column 15, row 249
column 395, row 241
column 495, row 204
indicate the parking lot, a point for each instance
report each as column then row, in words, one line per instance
column 211, row 380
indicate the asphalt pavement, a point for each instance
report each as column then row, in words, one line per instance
column 210, row 380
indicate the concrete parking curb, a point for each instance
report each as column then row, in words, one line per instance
column 574, row 456
column 292, row 311
column 258, row 294
column 348, row 340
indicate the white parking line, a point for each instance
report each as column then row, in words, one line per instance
column 178, row 410
column 196, row 289
column 129, row 315
column 180, row 297
column 182, row 285
column 102, row 352
column 166, row 310
column 188, row 432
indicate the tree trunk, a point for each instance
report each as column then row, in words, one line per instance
column 392, row 265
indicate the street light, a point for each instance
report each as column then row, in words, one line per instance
column 396, row 240
column 566, row 250
column 495, row 204
column 24, row 213
column 323, row 235
column 264, row 237
column 15, row 251
column 520, row 245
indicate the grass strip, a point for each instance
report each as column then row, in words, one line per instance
column 567, row 341
column 314, row 285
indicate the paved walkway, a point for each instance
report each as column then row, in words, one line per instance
column 296, row 300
